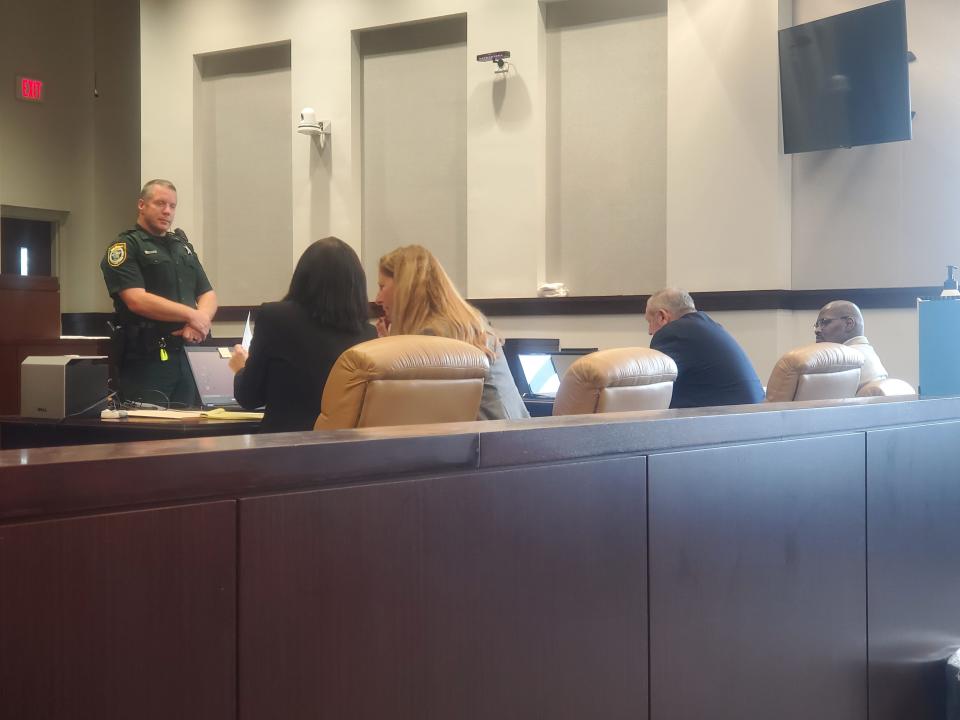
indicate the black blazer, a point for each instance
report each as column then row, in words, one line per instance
column 290, row 358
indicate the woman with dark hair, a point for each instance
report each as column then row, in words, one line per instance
column 298, row 339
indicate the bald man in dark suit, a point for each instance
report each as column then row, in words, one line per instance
column 712, row 368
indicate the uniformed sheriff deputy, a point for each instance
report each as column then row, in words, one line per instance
column 162, row 298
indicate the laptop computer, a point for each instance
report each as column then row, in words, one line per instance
column 212, row 376
column 512, row 347
column 542, row 372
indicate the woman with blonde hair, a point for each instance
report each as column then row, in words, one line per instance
column 418, row 298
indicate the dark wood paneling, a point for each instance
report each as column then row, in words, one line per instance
column 913, row 521
column 330, row 614
column 120, row 616
column 31, row 308
column 85, row 478
column 507, row 592
column 513, row 594
column 537, row 604
column 9, row 380
column 757, row 582
column 35, row 283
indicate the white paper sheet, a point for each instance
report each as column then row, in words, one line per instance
column 247, row 335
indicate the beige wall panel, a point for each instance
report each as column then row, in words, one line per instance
column 606, row 145
column 116, row 156
column 728, row 182
column 244, row 138
column 506, row 151
column 414, row 143
column 886, row 215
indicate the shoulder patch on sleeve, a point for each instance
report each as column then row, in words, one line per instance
column 117, row 254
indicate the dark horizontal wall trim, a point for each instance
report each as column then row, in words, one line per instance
column 866, row 298
column 236, row 313
column 95, row 324
column 85, row 324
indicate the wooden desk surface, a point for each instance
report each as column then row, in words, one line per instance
column 18, row 432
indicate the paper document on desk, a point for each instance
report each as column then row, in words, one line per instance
column 216, row 414
column 222, row 414
column 165, row 414
column 247, row 335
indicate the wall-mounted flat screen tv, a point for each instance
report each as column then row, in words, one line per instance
column 844, row 80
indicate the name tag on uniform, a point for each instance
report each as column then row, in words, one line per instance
column 149, row 252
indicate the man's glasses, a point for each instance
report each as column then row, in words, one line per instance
column 823, row 321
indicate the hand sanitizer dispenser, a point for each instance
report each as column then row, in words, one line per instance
column 950, row 288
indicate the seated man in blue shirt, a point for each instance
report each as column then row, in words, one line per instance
column 712, row 368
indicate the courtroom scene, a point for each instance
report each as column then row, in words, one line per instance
column 562, row 359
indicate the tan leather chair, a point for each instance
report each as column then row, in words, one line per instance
column 820, row 371
column 617, row 380
column 403, row 380
column 887, row 387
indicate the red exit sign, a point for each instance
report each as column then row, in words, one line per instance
column 29, row 89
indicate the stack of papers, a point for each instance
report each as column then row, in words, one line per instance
column 165, row 414
column 221, row 414
column 217, row 414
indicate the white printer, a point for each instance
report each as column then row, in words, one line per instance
column 59, row 386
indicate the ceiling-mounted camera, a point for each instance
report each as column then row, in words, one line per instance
column 499, row 57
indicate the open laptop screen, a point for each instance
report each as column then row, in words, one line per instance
column 212, row 375
column 544, row 371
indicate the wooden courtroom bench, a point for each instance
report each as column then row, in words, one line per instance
column 667, row 564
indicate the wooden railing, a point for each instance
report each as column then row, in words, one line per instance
column 714, row 563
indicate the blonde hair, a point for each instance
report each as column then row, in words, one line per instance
column 425, row 302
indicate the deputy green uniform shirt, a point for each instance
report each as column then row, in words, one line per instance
column 166, row 266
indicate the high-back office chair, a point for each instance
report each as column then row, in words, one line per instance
column 819, row 371
column 617, row 380
column 887, row 387
column 403, row 380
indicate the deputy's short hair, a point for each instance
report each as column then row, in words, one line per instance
column 147, row 189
